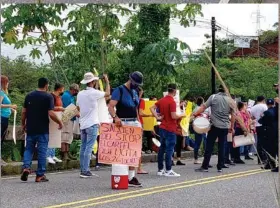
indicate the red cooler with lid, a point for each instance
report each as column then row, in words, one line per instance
column 119, row 177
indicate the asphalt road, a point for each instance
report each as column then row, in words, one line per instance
column 240, row 186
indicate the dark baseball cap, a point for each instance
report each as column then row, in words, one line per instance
column 275, row 85
column 270, row 101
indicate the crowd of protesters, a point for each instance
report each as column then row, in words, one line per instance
column 126, row 107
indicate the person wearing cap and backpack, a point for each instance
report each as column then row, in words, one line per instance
column 89, row 123
column 123, row 108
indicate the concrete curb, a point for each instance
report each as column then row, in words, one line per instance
column 15, row 167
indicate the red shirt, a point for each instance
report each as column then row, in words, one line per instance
column 142, row 107
column 166, row 106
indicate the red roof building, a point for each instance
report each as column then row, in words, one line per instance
column 265, row 50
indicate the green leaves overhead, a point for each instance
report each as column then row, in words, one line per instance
column 35, row 53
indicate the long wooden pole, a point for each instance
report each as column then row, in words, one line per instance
column 231, row 101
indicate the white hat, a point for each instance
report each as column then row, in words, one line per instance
column 89, row 77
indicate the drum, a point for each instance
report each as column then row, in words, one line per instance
column 201, row 124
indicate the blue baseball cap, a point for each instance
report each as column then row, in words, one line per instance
column 270, row 102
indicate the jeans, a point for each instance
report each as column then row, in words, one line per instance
column 88, row 137
column 168, row 142
column 213, row 134
column 228, row 151
column 260, row 136
column 42, row 141
column 51, row 152
column 236, row 150
column 198, row 140
column 4, row 128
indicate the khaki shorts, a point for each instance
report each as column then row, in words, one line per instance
column 67, row 133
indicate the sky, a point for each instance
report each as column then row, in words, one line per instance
column 238, row 18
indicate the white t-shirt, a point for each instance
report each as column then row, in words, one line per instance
column 257, row 111
column 87, row 102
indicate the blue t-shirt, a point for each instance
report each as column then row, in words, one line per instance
column 38, row 104
column 5, row 112
column 68, row 99
column 128, row 102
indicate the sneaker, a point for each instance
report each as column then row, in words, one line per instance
column 86, row 174
column 24, row 175
column 239, row 162
column 41, row 179
column 161, row 173
column 219, row 169
column 197, row 162
column 57, row 160
column 134, row 183
column 210, row 166
column 248, row 158
column 179, row 162
column 201, row 169
column 97, row 168
column 50, row 160
column 275, row 170
column 171, row 173
column 229, row 162
column 93, row 157
column 188, row 148
column 148, row 152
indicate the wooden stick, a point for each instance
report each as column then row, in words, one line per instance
column 231, row 101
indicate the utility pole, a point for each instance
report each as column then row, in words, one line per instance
column 258, row 25
column 213, row 77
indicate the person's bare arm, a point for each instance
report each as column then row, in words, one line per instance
column 54, row 117
column 7, row 105
column 56, row 108
column 155, row 114
column 23, row 119
column 200, row 110
column 232, row 121
column 111, row 108
column 107, row 90
column 176, row 117
column 141, row 113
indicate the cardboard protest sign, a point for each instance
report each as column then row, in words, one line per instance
column 119, row 145
column 149, row 122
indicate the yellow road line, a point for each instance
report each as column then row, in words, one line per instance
column 168, row 189
column 152, row 188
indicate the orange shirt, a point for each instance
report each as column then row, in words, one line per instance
column 57, row 101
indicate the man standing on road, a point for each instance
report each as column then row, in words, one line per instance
column 220, row 111
column 167, row 130
column 126, row 100
column 89, row 122
column 38, row 107
column 68, row 98
column 268, row 121
column 256, row 113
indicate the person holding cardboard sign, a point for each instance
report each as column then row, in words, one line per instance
column 87, row 103
column 126, row 101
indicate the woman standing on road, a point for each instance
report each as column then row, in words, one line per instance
column 6, row 110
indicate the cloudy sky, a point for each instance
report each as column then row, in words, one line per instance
column 238, row 18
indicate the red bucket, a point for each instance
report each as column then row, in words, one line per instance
column 119, row 177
